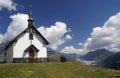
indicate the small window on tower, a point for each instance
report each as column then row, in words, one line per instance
column 31, row 36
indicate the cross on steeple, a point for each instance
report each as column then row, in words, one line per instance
column 30, row 15
column 30, row 20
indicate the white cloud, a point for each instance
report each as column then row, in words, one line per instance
column 18, row 24
column 55, row 34
column 68, row 37
column 9, row 4
column 71, row 50
column 106, row 36
column 80, row 44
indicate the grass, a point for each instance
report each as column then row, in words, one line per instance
column 54, row 70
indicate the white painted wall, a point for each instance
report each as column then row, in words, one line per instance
column 38, row 42
column 21, row 44
column 16, row 50
column 24, row 42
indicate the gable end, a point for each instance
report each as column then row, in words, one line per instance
column 18, row 36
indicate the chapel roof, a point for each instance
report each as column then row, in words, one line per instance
column 30, row 25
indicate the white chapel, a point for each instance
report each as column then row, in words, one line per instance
column 29, row 46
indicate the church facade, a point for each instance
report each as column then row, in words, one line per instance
column 28, row 46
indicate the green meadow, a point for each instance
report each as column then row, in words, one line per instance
column 54, row 70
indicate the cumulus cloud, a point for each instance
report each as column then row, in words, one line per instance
column 106, row 36
column 68, row 37
column 71, row 50
column 9, row 4
column 80, row 44
column 18, row 24
column 55, row 34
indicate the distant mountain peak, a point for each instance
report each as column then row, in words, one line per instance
column 94, row 54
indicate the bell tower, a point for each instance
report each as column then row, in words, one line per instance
column 30, row 25
column 30, row 20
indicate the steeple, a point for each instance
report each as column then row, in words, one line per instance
column 30, row 20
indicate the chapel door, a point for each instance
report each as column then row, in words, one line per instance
column 31, row 55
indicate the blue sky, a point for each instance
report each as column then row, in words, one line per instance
column 81, row 16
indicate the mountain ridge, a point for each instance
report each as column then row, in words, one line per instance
column 111, row 61
column 94, row 55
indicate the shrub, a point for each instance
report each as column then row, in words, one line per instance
column 63, row 58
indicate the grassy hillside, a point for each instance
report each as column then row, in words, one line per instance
column 54, row 70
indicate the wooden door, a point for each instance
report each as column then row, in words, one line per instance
column 31, row 55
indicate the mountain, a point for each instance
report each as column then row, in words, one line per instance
column 2, row 47
column 73, row 55
column 54, row 55
column 96, row 55
column 111, row 61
